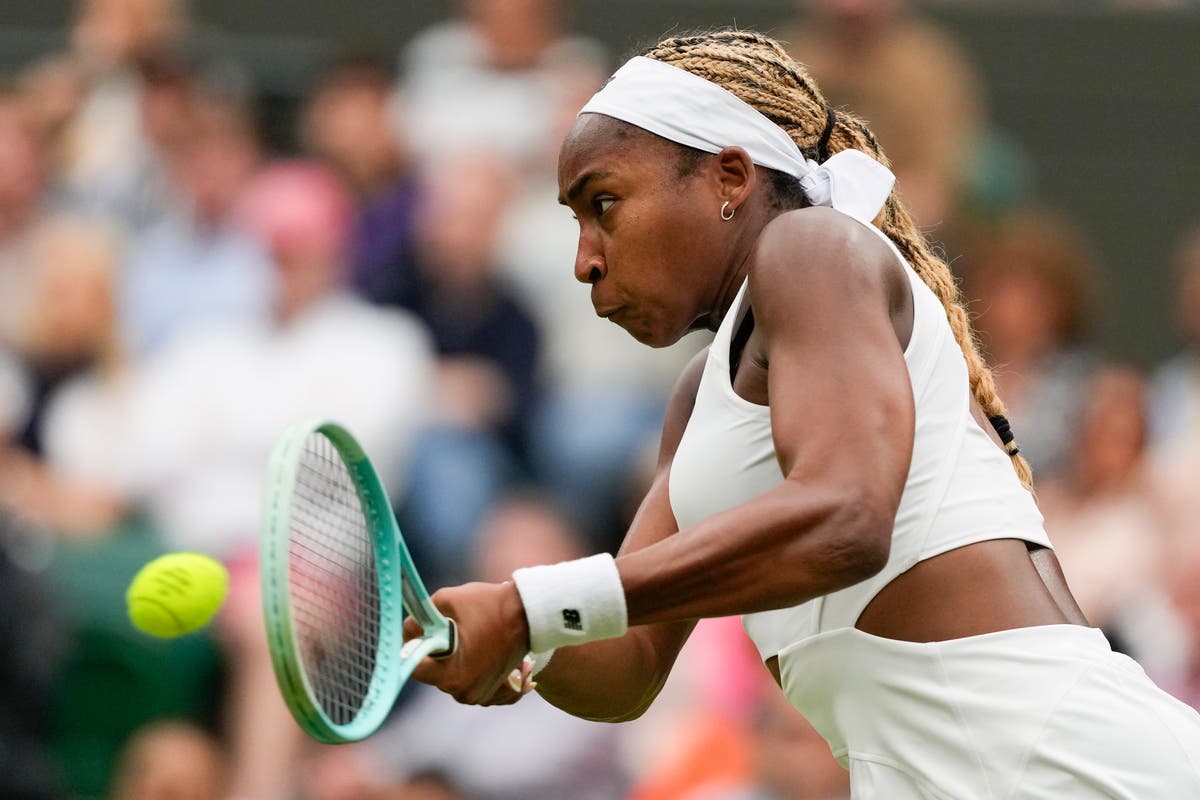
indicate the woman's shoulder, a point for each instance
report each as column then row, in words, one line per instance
column 809, row 248
column 820, row 229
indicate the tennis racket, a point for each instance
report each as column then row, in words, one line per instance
column 336, row 581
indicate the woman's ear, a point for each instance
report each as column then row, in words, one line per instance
column 735, row 176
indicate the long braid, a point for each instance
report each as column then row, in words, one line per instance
column 761, row 73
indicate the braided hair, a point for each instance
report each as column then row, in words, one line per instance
column 758, row 71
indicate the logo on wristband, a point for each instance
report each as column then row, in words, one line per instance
column 571, row 620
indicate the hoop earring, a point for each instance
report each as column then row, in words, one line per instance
column 732, row 211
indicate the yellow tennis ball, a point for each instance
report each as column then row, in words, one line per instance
column 176, row 594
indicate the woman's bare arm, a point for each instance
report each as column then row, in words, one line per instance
column 842, row 416
column 822, row 289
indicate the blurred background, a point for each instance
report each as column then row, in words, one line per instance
column 217, row 217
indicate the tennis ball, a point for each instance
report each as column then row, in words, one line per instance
column 176, row 594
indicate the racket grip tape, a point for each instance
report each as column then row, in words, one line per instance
column 451, row 644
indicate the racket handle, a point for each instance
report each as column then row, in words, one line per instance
column 451, row 641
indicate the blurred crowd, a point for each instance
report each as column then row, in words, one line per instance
column 174, row 290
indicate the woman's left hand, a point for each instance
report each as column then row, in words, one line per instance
column 493, row 638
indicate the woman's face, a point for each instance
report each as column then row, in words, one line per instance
column 650, row 241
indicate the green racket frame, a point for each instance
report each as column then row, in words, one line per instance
column 400, row 590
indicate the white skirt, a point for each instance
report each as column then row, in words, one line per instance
column 1044, row 712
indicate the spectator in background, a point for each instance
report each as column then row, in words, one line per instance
column 110, row 164
column 113, row 34
column 1175, row 409
column 487, row 346
column 914, row 83
column 1105, row 517
column 527, row 751
column 77, row 501
column 51, row 89
column 487, row 342
column 1031, row 284
column 23, row 176
column 79, row 479
column 222, row 393
column 348, row 121
column 495, row 62
column 218, row 397
column 198, row 265
column 170, row 761
column 1175, row 429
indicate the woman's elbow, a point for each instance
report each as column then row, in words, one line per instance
column 629, row 713
column 859, row 540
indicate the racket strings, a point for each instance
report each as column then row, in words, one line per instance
column 333, row 582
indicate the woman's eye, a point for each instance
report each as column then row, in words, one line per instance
column 604, row 203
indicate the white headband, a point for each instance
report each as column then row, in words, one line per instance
column 687, row 109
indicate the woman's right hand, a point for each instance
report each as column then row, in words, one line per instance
column 493, row 640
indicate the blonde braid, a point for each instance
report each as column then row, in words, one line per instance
column 760, row 72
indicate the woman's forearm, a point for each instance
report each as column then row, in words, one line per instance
column 789, row 545
column 613, row 680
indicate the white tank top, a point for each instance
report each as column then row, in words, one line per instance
column 961, row 487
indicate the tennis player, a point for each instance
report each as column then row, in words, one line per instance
column 836, row 467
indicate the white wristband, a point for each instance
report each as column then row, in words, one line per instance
column 573, row 602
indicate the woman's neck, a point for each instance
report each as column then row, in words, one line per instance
column 740, row 262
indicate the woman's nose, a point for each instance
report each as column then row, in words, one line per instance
column 589, row 264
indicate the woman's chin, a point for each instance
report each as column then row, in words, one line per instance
column 652, row 337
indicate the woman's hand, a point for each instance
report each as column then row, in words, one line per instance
column 493, row 638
